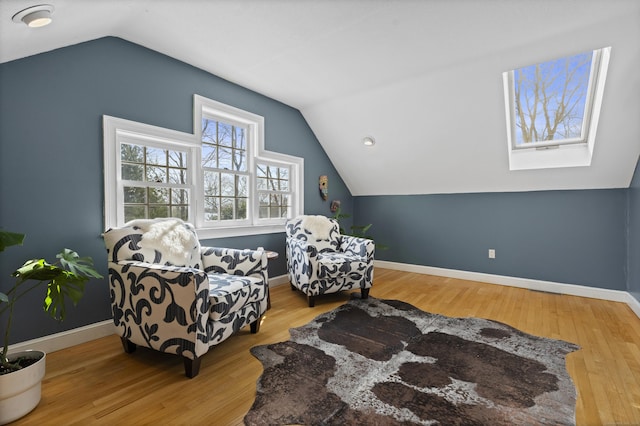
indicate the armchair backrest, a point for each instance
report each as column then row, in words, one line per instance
column 319, row 231
column 161, row 241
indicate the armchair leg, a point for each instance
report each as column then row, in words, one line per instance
column 365, row 293
column 255, row 326
column 192, row 366
column 312, row 301
column 128, row 345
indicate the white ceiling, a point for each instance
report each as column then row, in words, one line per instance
column 424, row 77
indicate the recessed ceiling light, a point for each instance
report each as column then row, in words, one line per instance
column 35, row 16
column 368, row 141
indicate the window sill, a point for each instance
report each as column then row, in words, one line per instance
column 574, row 155
column 238, row 231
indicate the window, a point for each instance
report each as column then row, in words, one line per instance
column 220, row 178
column 274, row 194
column 555, row 105
column 155, row 182
column 224, row 168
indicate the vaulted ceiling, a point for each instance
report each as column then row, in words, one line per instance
column 423, row 77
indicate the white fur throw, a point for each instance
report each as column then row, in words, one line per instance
column 319, row 226
column 170, row 237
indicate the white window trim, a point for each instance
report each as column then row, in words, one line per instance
column 115, row 129
column 257, row 152
column 572, row 153
column 293, row 192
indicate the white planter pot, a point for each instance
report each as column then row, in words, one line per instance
column 20, row 390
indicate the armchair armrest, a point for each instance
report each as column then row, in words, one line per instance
column 244, row 262
column 159, row 306
column 357, row 246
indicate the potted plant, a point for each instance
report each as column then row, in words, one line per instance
column 21, row 373
column 359, row 231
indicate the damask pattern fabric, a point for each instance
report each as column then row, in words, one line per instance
column 230, row 293
column 342, row 262
column 182, row 309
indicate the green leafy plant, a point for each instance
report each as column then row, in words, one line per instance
column 360, row 231
column 63, row 279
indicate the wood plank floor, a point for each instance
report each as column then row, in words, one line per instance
column 97, row 383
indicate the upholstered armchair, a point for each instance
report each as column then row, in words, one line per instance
column 321, row 261
column 172, row 295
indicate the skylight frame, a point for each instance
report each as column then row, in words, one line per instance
column 572, row 152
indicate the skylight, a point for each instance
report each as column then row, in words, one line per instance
column 555, row 104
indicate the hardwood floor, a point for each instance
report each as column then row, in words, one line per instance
column 97, row 383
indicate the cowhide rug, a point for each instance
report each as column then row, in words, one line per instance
column 385, row 362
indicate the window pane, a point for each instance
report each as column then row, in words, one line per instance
column 181, row 212
column 226, row 208
column 225, row 160
column 227, row 184
column 261, row 183
column 274, row 211
column 239, row 140
column 550, row 99
column 158, row 211
column 285, row 206
column 209, row 156
column 239, row 160
column 211, row 206
column 156, row 174
column 225, row 134
column 132, row 153
column 241, row 208
column 263, row 212
column 179, row 196
column 211, row 183
column 178, row 176
column 135, row 212
column 242, row 186
column 132, row 172
column 178, row 159
column 135, row 195
column 158, row 196
column 209, row 130
column 156, row 156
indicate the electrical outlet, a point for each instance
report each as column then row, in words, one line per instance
column 492, row 253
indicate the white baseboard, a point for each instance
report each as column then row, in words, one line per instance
column 279, row 280
column 634, row 305
column 538, row 285
column 66, row 339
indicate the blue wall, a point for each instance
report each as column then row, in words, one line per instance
column 574, row 237
column 51, row 184
column 633, row 222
